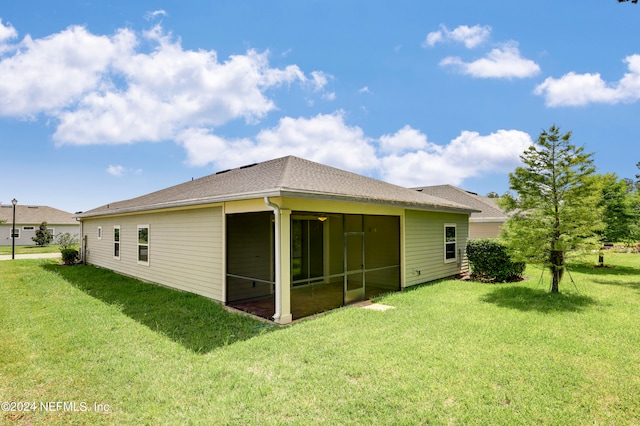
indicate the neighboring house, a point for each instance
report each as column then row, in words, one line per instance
column 284, row 239
column 28, row 220
column 486, row 223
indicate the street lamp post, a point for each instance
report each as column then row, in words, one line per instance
column 13, row 230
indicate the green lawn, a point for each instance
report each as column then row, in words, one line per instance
column 51, row 248
column 449, row 353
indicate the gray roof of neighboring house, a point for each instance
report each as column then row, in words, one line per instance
column 35, row 215
column 287, row 176
column 489, row 209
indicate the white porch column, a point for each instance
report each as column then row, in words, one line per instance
column 283, row 297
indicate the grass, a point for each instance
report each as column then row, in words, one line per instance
column 51, row 248
column 451, row 352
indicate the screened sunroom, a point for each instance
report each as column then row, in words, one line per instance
column 335, row 259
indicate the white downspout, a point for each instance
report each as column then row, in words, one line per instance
column 276, row 211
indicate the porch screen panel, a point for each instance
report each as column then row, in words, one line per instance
column 250, row 260
column 382, row 254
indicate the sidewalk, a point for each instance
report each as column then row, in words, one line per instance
column 32, row 256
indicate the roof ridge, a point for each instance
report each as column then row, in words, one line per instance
column 285, row 171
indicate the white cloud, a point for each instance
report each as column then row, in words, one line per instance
column 172, row 89
column 405, row 139
column 364, row 89
column 433, row 38
column 467, row 156
column 470, row 36
column 331, row 96
column 104, row 89
column 117, row 171
column 7, row 32
column 154, row 14
column 324, row 138
column 203, row 148
column 45, row 75
column 581, row 89
column 319, row 80
column 502, row 62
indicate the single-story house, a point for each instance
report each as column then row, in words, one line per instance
column 283, row 239
column 28, row 221
column 485, row 223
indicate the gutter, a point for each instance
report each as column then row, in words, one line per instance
column 276, row 210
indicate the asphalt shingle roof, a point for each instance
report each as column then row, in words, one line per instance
column 488, row 207
column 286, row 176
column 35, row 215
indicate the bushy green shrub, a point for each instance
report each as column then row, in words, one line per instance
column 490, row 261
column 44, row 236
column 69, row 256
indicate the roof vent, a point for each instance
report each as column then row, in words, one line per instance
column 32, row 207
column 223, row 171
column 249, row 165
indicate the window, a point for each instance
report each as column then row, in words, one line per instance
column 99, row 232
column 53, row 231
column 143, row 244
column 449, row 243
column 28, row 228
column 14, row 233
column 116, row 241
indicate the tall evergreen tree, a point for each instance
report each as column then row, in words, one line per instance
column 556, row 203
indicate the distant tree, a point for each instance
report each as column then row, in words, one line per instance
column 620, row 212
column 493, row 194
column 555, row 209
column 43, row 235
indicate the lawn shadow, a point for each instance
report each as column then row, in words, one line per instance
column 593, row 269
column 609, row 275
column 197, row 323
column 528, row 299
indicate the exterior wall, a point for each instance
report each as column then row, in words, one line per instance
column 27, row 234
column 424, row 246
column 186, row 248
column 484, row 230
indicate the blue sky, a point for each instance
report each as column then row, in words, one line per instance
column 102, row 101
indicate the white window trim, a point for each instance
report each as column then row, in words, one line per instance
column 99, row 232
column 15, row 231
column 119, row 242
column 142, row 262
column 455, row 248
column 53, row 231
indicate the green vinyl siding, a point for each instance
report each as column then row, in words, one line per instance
column 424, row 246
column 185, row 248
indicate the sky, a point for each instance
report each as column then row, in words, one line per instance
column 102, row 101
